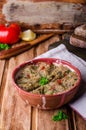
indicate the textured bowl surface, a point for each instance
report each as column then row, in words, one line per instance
column 42, row 101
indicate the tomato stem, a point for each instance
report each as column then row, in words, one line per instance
column 7, row 24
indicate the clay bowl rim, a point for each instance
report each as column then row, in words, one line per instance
column 48, row 60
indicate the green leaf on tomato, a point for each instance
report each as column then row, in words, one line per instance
column 4, row 46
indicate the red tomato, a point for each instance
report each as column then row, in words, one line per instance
column 59, row 81
column 43, row 67
column 9, row 34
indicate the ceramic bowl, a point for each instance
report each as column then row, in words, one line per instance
column 42, row 101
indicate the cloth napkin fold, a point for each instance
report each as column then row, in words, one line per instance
column 78, row 104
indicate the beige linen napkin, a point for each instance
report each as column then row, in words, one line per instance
column 78, row 104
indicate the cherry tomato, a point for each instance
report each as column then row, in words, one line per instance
column 9, row 34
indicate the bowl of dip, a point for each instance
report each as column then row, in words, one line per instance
column 46, row 83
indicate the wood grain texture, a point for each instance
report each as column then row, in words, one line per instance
column 44, row 12
column 44, row 120
column 43, row 48
column 2, row 65
column 15, row 113
column 50, row 27
column 2, row 18
column 70, row 1
column 78, row 122
column 14, row 7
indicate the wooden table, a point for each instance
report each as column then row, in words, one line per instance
column 15, row 114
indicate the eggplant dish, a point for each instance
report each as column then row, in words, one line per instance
column 44, row 78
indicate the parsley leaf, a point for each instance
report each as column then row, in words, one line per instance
column 43, row 81
column 4, row 46
column 59, row 116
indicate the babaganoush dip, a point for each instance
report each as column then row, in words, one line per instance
column 44, row 78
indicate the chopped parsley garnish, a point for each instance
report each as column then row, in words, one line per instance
column 59, row 116
column 4, row 46
column 43, row 81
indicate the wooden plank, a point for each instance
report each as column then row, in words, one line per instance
column 71, row 118
column 2, row 65
column 70, row 1
column 43, row 48
column 44, row 12
column 43, row 120
column 2, row 19
column 15, row 113
column 79, row 122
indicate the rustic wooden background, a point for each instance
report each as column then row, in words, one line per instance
column 23, row 11
column 36, row 12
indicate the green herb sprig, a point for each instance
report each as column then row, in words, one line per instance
column 43, row 81
column 4, row 46
column 59, row 116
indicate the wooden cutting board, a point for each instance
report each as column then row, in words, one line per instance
column 23, row 46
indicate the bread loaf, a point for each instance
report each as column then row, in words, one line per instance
column 78, row 41
column 81, row 31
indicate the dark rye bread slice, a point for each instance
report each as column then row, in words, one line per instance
column 78, row 41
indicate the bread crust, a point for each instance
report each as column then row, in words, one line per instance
column 78, row 41
column 80, row 31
